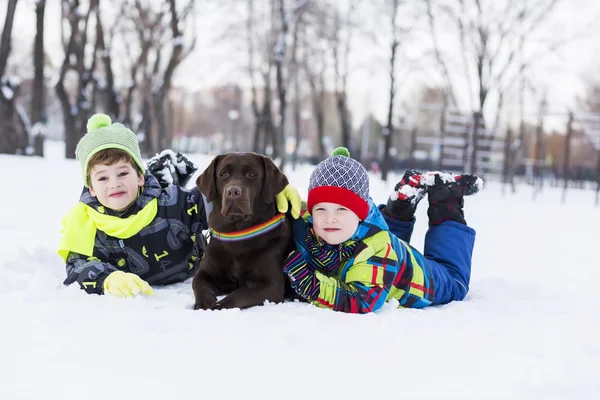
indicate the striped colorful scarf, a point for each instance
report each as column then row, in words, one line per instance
column 324, row 257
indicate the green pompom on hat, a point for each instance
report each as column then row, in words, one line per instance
column 341, row 151
column 103, row 134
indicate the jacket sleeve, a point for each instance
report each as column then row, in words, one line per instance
column 402, row 229
column 365, row 285
column 89, row 272
column 193, row 209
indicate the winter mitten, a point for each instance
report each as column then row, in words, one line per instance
column 407, row 193
column 289, row 194
column 171, row 168
column 446, row 195
column 125, row 284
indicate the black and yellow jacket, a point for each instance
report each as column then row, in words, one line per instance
column 159, row 238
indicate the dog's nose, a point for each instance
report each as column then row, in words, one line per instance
column 234, row 191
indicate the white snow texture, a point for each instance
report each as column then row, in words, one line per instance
column 528, row 329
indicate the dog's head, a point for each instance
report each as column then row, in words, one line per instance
column 241, row 184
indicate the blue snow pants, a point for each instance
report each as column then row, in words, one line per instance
column 447, row 256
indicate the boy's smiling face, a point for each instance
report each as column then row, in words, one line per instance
column 115, row 186
column 334, row 223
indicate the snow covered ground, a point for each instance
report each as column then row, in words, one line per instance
column 529, row 328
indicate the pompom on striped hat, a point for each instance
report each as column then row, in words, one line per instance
column 342, row 180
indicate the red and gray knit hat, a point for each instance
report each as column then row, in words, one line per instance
column 340, row 179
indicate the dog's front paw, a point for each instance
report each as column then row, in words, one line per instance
column 222, row 304
column 204, row 302
column 228, row 302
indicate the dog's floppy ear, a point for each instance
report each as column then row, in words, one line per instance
column 207, row 181
column 275, row 181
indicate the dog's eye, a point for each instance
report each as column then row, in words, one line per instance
column 224, row 175
column 251, row 175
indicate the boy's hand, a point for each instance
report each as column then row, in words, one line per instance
column 290, row 194
column 125, row 284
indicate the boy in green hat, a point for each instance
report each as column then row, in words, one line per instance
column 131, row 229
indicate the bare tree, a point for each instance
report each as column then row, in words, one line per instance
column 79, row 79
column 388, row 131
column 314, row 60
column 157, row 37
column 286, row 19
column 162, row 79
column 109, row 93
column 340, row 46
column 5, row 41
column 295, row 75
column 38, row 107
column 449, row 95
column 263, row 126
column 146, row 26
column 316, row 81
column 495, row 33
column 12, row 134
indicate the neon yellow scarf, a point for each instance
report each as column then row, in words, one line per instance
column 80, row 224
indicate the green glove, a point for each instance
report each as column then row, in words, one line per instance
column 125, row 284
column 290, row 194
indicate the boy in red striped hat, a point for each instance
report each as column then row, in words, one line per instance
column 346, row 257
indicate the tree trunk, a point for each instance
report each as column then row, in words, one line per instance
column 12, row 138
column 270, row 138
column 112, row 105
column 567, row 166
column 297, row 123
column 343, row 114
column 279, row 146
column 5, row 41
column 256, row 135
column 297, row 102
column 145, row 128
column 12, row 135
column 539, row 157
column 477, row 118
column 507, row 158
column 161, row 96
column 598, row 180
column 440, row 165
column 413, row 147
column 38, row 108
column 280, row 50
column 389, row 129
column 320, row 120
column 75, row 114
column 257, row 147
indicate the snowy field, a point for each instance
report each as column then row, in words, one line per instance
column 529, row 328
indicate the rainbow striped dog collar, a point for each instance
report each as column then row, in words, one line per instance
column 251, row 232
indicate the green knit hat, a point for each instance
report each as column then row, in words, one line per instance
column 102, row 134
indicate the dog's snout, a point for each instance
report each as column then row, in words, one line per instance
column 234, row 191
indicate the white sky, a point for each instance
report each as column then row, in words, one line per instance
column 528, row 328
column 214, row 63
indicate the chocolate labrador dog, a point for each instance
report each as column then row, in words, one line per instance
column 249, row 237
